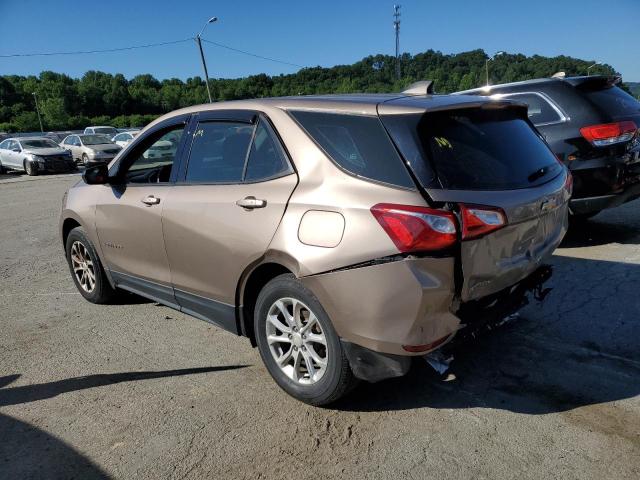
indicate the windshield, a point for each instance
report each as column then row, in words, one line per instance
column 107, row 130
column 95, row 139
column 474, row 149
column 39, row 143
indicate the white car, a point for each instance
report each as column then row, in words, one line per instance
column 102, row 130
column 124, row 138
column 34, row 155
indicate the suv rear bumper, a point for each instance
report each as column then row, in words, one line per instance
column 390, row 302
column 595, row 204
column 477, row 315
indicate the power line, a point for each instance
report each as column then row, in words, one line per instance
column 252, row 54
column 107, row 50
column 149, row 45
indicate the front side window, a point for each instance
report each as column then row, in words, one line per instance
column 359, row 144
column 153, row 159
column 540, row 111
column 219, row 152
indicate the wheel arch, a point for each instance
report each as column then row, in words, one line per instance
column 251, row 283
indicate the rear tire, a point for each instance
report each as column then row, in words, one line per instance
column 86, row 269
column 85, row 159
column 313, row 367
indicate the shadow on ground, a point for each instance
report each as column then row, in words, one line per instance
column 600, row 231
column 41, row 391
column 29, row 452
column 580, row 347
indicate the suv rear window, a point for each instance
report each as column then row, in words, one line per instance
column 614, row 101
column 359, row 144
column 475, row 149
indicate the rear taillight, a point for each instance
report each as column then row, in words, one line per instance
column 609, row 133
column 478, row 220
column 414, row 228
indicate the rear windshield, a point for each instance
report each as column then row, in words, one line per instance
column 358, row 144
column 475, row 149
column 615, row 101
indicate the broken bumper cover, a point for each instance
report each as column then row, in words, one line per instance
column 595, row 204
column 373, row 365
column 391, row 303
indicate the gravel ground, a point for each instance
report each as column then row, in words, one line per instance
column 140, row 391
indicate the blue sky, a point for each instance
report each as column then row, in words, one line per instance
column 322, row 33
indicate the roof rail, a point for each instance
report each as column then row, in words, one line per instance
column 424, row 87
column 559, row 75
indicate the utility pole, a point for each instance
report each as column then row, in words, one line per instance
column 396, row 26
column 204, row 63
column 35, row 98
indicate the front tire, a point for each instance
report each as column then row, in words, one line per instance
column 30, row 168
column 85, row 159
column 86, row 269
column 298, row 343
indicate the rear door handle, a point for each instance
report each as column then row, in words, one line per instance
column 150, row 200
column 251, row 202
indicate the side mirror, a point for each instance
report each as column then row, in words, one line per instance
column 16, row 149
column 96, row 174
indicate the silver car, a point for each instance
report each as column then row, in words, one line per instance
column 34, row 155
column 90, row 148
column 104, row 130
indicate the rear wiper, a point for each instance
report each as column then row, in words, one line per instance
column 541, row 172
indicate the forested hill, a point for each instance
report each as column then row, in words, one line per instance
column 103, row 98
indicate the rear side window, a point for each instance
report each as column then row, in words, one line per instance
column 358, row 144
column 540, row 111
column 486, row 150
column 613, row 100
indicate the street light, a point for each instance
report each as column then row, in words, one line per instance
column 204, row 63
column 35, row 98
column 486, row 64
column 589, row 68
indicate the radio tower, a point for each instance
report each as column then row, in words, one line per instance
column 396, row 26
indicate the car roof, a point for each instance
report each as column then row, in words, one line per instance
column 101, row 126
column 359, row 104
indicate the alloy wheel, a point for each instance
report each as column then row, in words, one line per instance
column 296, row 341
column 83, row 266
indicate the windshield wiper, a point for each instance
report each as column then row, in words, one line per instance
column 541, row 172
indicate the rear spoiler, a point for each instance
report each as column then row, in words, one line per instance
column 595, row 81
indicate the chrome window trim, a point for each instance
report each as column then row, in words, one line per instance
column 563, row 118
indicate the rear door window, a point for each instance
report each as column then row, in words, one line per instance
column 358, row 144
column 477, row 149
column 266, row 157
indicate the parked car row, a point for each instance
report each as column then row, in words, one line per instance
column 39, row 154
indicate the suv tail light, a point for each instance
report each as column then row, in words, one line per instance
column 414, row 228
column 478, row 220
column 609, row 133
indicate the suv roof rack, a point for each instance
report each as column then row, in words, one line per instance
column 424, row 87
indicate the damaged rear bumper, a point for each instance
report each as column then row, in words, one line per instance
column 376, row 315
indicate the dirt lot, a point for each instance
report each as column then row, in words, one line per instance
column 141, row 391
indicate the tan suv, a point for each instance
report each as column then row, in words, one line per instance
column 342, row 235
